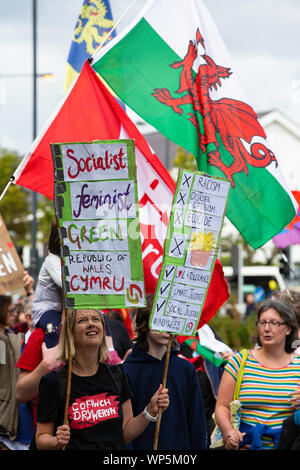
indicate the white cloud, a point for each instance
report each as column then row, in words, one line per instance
column 262, row 38
column 270, row 82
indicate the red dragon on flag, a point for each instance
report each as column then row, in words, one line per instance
column 235, row 121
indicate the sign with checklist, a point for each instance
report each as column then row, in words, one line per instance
column 190, row 251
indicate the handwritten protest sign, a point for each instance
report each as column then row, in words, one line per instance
column 96, row 204
column 11, row 268
column 190, row 251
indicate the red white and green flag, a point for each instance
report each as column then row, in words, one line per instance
column 178, row 76
column 89, row 112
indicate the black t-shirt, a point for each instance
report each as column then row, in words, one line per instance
column 95, row 408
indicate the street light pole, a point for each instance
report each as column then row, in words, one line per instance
column 34, row 259
column 34, row 254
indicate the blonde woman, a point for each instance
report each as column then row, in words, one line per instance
column 100, row 413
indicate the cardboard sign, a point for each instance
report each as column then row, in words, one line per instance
column 96, row 203
column 190, row 252
column 11, row 268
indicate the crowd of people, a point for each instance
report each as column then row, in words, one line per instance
column 83, row 379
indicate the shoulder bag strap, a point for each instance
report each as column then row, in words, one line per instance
column 116, row 381
column 239, row 379
column 62, row 376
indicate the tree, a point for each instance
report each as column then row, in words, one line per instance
column 46, row 214
column 14, row 206
column 184, row 159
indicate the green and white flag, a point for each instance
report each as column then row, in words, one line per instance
column 171, row 67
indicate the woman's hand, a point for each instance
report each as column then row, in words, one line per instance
column 232, row 439
column 295, row 399
column 46, row 439
column 160, row 399
column 28, row 282
column 134, row 426
column 227, row 355
column 62, row 436
column 49, row 357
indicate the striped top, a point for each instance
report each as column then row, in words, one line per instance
column 265, row 392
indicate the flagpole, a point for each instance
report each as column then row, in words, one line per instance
column 68, row 388
column 34, row 261
column 12, row 178
column 113, row 28
column 164, row 381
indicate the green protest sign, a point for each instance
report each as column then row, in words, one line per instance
column 96, row 204
column 190, row 251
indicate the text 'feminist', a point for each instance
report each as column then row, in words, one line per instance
column 116, row 200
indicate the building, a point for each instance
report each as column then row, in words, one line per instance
column 282, row 132
column 283, row 135
column 163, row 147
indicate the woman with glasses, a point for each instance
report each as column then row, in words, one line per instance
column 271, row 375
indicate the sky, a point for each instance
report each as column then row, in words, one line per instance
column 262, row 38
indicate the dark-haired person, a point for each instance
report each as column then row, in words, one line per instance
column 290, row 435
column 100, row 413
column 10, row 350
column 271, row 375
column 47, row 301
column 291, row 297
column 5, row 303
column 183, row 425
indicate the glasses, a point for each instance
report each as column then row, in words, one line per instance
column 272, row 323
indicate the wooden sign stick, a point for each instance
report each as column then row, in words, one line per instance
column 68, row 334
column 68, row 390
column 69, row 367
column 167, row 358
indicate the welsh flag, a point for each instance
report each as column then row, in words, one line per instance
column 89, row 112
column 178, row 76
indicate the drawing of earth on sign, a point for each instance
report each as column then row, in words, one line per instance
column 201, row 249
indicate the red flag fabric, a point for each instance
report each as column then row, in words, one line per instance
column 217, row 294
column 90, row 112
column 127, row 321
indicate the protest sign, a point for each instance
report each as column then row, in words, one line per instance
column 11, row 268
column 190, row 251
column 96, row 204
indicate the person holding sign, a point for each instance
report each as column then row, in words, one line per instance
column 10, row 350
column 47, row 302
column 270, row 377
column 183, row 425
column 100, row 412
